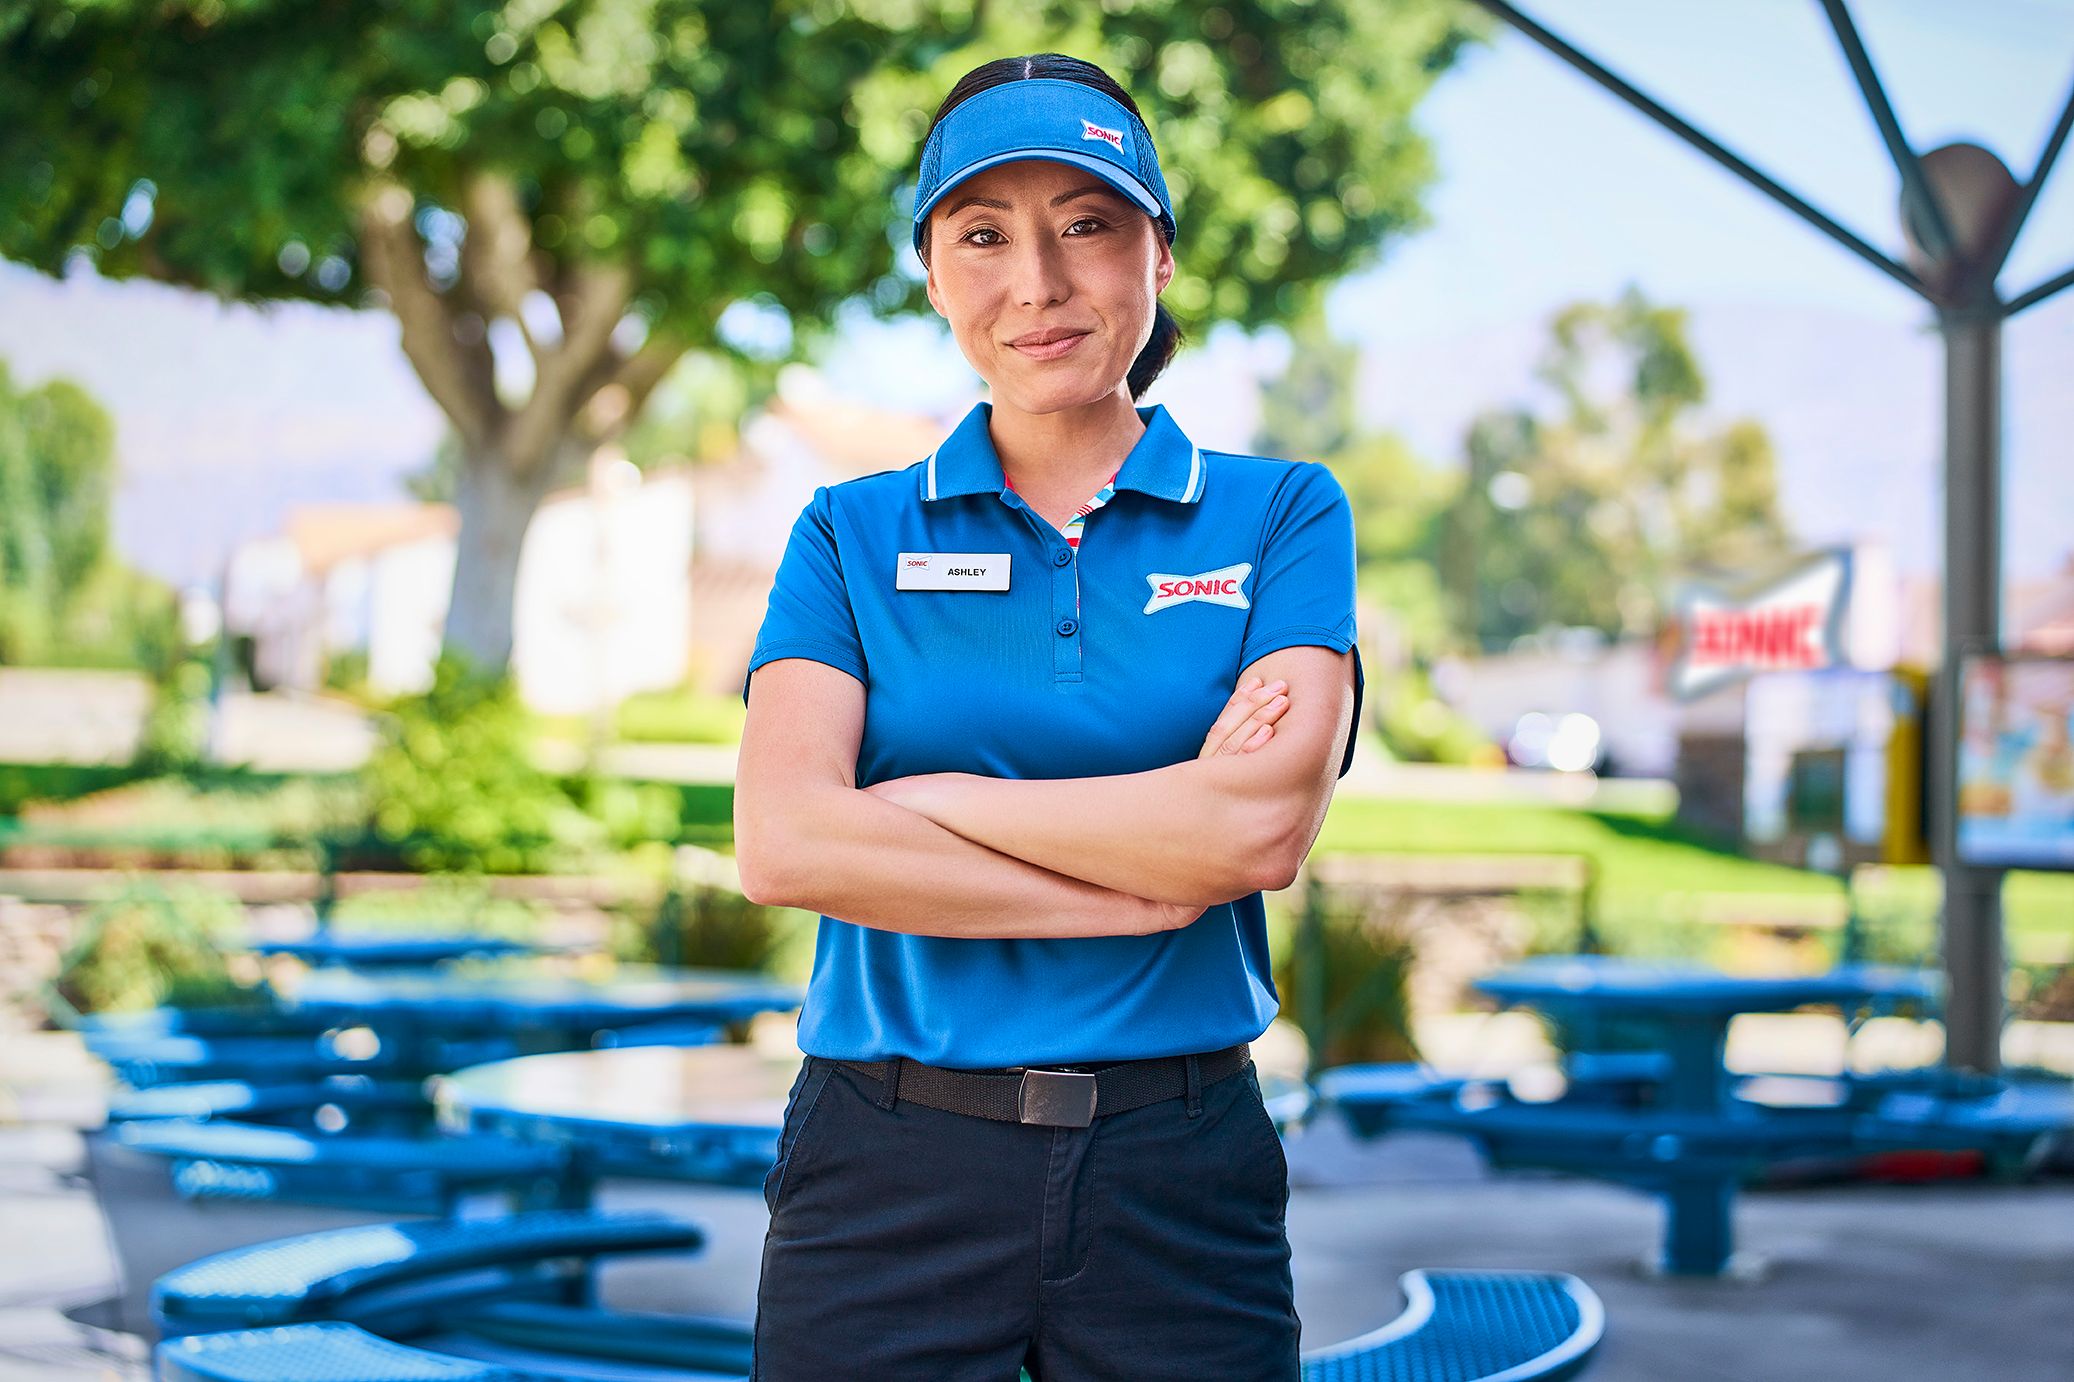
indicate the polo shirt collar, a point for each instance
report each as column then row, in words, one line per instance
column 1164, row 463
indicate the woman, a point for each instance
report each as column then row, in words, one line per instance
column 1033, row 722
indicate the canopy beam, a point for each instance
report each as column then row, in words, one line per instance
column 1709, row 146
column 1934, row 230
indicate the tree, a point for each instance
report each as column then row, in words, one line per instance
column 1587, row 514
column 559, row 201
column 1399, row 502
column 1398, row 499
column 57, row 473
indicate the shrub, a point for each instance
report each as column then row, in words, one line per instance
column 680, row 717
column 712, row 928
column 453, row 786
column 1344, row 982
column 154, row 945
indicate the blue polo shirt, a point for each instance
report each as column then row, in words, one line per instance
column 1112, row 658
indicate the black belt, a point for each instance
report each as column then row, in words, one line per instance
column 1065, row 1096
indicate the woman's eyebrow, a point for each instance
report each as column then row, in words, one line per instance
column 1093, row 188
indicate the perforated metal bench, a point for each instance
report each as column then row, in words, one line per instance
column 1473, row 1327
column 404, row 1278
column 347, row 1353
column 1456, row 1327
column 313, row 1353
column 142, row 1061
column 222, row 1159
column 356, row 1099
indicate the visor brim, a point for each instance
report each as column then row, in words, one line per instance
column 1135, row 191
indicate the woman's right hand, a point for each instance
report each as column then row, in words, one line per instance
column 1246, row 722
column 1248, row 718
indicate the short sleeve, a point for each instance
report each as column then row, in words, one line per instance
column 1303, row 583
column 809, row 614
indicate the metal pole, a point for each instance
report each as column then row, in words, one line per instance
column 1973, row 958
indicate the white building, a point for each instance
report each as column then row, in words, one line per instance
column 602, row 607
column 628, row 583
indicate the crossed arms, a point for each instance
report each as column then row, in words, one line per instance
column 958, row 854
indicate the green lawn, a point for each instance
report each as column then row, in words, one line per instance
column 1659, row 883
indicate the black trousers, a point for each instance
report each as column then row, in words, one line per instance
column 910, row 1243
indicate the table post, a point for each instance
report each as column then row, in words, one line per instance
column 1699, row 1231
column 1697, row 1044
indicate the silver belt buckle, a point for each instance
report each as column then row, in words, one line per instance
column 1058, row 1098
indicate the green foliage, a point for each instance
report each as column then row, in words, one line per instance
column 24, row 784
column 174, row 736
column 1399, row 503
column 1586, row 515
column 711, row 927
column 627, row 814
column 445, row 903
column 1418, row 727
column 452, row 784
column 642, row 169
column 1307, row 411
column 156, row 944
column 57, row 471
column 1344, row 982
column 760, row 147
column 345, row 671
column 680, row 717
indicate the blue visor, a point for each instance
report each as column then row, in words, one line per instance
column 1043, row 117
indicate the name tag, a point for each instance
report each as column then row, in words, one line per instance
column 952, row 571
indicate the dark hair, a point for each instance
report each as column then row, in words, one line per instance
column 1166, row 331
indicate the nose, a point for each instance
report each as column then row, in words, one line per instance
column 1040, row 277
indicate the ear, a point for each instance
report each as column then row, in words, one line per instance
column 1163, row 268
column 935, row 298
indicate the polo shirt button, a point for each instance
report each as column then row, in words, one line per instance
column 1062, row 557
column 1066, row 628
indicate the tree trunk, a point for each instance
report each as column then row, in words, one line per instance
column 496, row 505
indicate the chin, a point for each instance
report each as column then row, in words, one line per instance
column 1054, row 395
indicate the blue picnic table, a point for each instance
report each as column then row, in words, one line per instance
column 1686, row 1010
column 1696, row 1139
column 703, row 1113
column 563, row 1010
column 382, row 950
column 709, row 1114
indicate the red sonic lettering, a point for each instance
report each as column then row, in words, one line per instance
column 1224, row 586
column 1090, row 130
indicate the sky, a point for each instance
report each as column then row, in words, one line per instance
column 1551, row 190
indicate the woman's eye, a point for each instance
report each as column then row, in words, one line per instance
column 979, row 230
column 1086, row 221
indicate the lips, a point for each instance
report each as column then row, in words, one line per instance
column 1046, row 336
column 1048, row 345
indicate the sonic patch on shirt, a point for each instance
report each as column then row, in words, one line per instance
column 1219, row 587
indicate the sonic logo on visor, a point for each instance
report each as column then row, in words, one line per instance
column 1090, row 130
column 1219, row 587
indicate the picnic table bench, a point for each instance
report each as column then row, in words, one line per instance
column 325, row 1105
column 398, row 1277
column 233, row 1160
column 1456, row 1327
